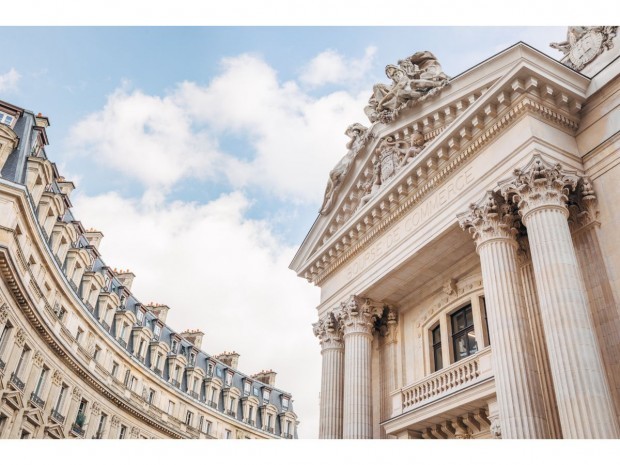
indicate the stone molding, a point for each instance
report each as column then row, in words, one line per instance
column 539, row 184
column 57, row 378
column 4, row 313
column 38, row 359
column 525, row 93
column 490, row 219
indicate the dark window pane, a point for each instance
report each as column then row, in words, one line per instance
column 438, row 359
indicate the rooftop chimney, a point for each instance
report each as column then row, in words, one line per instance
column 194, row 336
column 93, row 237
column 229, row 358
column 159, row 310
column 66, row 187
column 42, row 121
column 266, row 376
column 126, row 278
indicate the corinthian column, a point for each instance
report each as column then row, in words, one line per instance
column 357, row 317
column 332, row 351
column 521, row 412
column 582, row 393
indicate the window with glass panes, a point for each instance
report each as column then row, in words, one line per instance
column 437, row 357
column 463, row 336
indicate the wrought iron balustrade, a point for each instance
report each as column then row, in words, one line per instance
column 2, row 365
column 36, row 400
column 122, row 343
column 57, row 417
column 194, row 395
column 77, row 430
column 157, row 371
column 73, row 285
column 105, row 326
column 176, row 383
column 231, row 413
column 18, row 383
column 212, row 404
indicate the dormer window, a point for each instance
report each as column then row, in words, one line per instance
column 284, row 403
column 157, row 331
column 247, row 388
column 140, row 316
column 266, row 395
column 123, row 300
column 7, row 119
column 175, row 346
column 229, row 377
column 192, row 359
column 209, row 370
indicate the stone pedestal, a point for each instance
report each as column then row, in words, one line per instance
column 521, row 411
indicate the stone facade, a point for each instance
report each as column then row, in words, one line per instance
column 469, row 261
column 80, row 355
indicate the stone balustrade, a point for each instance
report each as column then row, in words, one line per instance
column 455, row 377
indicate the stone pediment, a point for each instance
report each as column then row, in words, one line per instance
column 400, row 163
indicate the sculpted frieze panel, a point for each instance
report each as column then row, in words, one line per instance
column 584, row 43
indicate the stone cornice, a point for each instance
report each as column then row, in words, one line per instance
column 458, row 143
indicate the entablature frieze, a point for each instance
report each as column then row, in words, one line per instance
column 525, row 91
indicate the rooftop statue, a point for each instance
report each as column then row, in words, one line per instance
column 413, row 80
column 584, row 43
column 358, row 135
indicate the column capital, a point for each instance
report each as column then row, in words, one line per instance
column 328, row 331
column 539, row 184
column 582, row 206
column 489, row 219
column 358, row 315
column 388, row 324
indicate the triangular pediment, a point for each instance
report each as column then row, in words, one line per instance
column 465, row 115
column 54, row 431
column 34, row 416
column 14, row 399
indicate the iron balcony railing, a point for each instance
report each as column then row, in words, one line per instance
column 122, row 343
column 18, row 383
column 36, row 400
column 57, row 417
column 176, row 383
column 270, row 430
column 105, row 326
column 212, row 404
column 288, row 436
column 157, row 371
column 195, row 395
column 2, row 365
column 73, row 285
column 89, row 307
column 77, row 430
column 231, row 413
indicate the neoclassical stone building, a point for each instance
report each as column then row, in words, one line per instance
column 80, row 355
column 468, row 251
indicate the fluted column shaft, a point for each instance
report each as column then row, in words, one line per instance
column 521, row 411
column 357, row 413
column 583, row 397
column 331, row 393
column 332, row 376
column 540, row 349
column 516, row 375
column 584, row 402
column 605, row 314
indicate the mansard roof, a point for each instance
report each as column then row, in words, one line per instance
column 463, row 117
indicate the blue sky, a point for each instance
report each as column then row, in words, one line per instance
column 202, row 154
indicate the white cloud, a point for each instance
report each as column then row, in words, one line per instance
column 331, row 67
column 294, row 139
column 145, row 137
column 222, row 273
column 9, row 80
